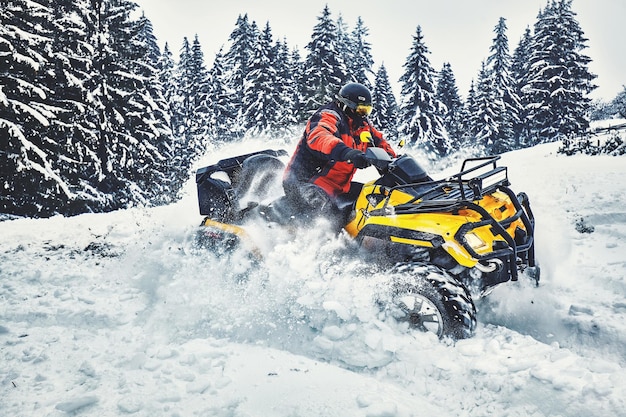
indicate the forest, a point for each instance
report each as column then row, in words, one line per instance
column 95, row 117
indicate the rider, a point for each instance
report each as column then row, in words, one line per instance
column 319, row 175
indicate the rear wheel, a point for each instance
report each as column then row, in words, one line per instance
column 429, row 299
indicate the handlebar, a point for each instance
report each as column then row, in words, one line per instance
column 378, row 157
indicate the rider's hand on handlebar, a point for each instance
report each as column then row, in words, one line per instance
column 357, row 158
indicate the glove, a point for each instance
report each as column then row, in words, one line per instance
column 356, row 158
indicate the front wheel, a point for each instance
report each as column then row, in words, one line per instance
column 429, row 299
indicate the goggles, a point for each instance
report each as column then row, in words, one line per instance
column 363, row 109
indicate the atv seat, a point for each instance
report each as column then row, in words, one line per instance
column 283, row 211
column 221, row 185
column 262, row 170
column 345, row 205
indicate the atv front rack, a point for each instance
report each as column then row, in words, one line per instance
column 460, row 192
column 446, row 194
column 520, row 244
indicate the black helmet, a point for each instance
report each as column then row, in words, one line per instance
column 356, row 97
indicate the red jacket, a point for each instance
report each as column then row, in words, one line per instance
column 321, row 152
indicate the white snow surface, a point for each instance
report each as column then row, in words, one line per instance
column 122, row 314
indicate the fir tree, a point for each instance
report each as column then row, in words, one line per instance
column 69, row 135
column 485, row 111
column 28, row 175
column 199, row 136
column 286, row 90
column 166, row 74
column 385, row 114
column 180, row 98
column 519, row 73
column 559, row 79
column 469, row 121
column 152, row 123
column 166, row 67
column 220, row 104
column 261, row 95
column 127, row 113
column 191, row 117
column 361, row 60
column 448, row 94
column 146, row 37
column 236, row 65
column 420, row 110
column 324, row 70
column 87, row 128
column 619, row 103
column 345, row 46
column 601, row 110
column 299, row 93
column 504, row 91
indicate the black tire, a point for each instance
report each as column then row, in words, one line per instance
column 430, row 299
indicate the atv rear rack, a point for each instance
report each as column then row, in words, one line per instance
column 460, row 192
column 231, row 165
column 217, row 197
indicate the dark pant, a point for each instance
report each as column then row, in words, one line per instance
column 310, row 201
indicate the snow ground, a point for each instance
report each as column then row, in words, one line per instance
column 121, row 314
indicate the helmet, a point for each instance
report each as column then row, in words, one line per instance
column 356, row 97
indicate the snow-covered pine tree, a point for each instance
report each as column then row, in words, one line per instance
column 469, row 123
column 166, row 67
column 199, row 137
column 619, row 103
column 191, row 117
column 146, row 37
column 236, row 66
column 160, row 179
column 448, row 94
column 344, row 45
column 485, row 111
column 181, row 96
column 385, row 114
column 88, row 130
column 261, row 96
column 177, row 172
column 361, row 61
column 220, row 104
column 559, row 80
column 519, row 73
column 324, row 69
column 420, row 110
column 73, row 140
column 468, row 108
column 127, row 111
column 29, row 180
column 504, row 91
column 286, row 86
column 299, row 92
column 601, row 110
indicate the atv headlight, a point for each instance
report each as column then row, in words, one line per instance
column 475, row 241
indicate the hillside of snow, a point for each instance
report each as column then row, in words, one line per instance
column 121, row 314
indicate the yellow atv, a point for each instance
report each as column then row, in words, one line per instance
column 446, row 241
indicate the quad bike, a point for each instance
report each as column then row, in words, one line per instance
column 446, row 242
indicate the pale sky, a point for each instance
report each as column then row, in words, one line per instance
column 455, row 31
